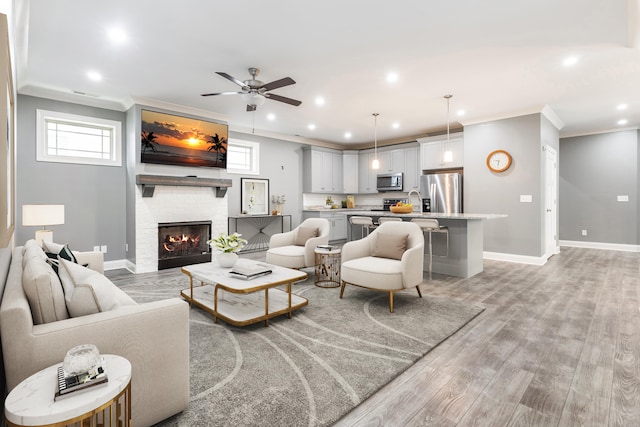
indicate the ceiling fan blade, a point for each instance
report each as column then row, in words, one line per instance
column 251, row 107
column 221, row 93
column 279, row 83
column 283, row 99
column 233, row 79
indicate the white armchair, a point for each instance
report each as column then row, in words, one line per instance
column 390, row 259
column 294, row 249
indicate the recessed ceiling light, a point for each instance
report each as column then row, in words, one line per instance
column 347, row 135
column 320, row 101
column 94, row 75
column 395, row 125
column 271, row 116
column 311, row 126
column 392, row 77
column 461, row 113
column 623, row 121
column 570, row 61
column 117, row 35
column 622, row 107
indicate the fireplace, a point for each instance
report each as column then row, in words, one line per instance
column 183, row 243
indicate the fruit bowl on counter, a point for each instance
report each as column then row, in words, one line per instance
column 405, row 208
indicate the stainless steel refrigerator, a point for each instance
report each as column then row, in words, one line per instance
column 441, row 192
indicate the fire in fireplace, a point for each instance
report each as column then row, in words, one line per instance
column 183, row 243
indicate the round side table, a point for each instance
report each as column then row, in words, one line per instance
column 327, row 271
column 32, row 402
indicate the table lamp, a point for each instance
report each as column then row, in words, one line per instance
column 43, row 215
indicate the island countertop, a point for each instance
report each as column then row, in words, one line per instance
column 378, row 213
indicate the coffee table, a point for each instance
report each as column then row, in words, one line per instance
column 242, row 302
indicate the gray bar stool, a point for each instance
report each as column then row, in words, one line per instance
column 430, row 225
column 365, row 222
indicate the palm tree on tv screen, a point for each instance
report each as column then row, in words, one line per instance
column 218, row 144
column 148, row 139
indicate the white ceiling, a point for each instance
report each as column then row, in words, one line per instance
column 498, row 58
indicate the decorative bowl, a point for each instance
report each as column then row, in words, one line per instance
column 81, row 358
column 401, row 209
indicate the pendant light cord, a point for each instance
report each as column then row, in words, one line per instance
column 375, row 135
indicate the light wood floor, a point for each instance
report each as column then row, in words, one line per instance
column 558, row 345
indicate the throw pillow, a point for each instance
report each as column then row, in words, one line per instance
column 390, row 245
column 43, row 289
column 86, row 291
column 55, row 250
column 305, row 233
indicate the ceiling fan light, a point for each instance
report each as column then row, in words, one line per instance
column 253, row 99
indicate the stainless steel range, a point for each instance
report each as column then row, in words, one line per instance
column 387, row 203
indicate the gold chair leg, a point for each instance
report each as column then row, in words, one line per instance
column 391, row 301
column 342, row 288
column 419, row 293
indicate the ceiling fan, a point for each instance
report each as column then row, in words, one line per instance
column 255, row 92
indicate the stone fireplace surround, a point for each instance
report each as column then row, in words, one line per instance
column 173, row 204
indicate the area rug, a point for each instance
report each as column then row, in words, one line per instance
column 309, row 370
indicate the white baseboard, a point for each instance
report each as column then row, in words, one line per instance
column 599, row 245
column 520, row 259
column 120, row 263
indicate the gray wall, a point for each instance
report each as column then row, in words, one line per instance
column 94, row 196
column 280, row 162
column 594, row 170
column 521, row 233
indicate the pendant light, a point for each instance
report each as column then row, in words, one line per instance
column 448, row 154
column 376, row 163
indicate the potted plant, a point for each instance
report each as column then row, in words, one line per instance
column 227, row 245
column 278, row 201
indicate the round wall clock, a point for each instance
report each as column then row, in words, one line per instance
column 499, row 161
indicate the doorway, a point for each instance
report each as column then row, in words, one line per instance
column 551, row 202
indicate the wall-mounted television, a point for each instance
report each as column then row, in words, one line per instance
column 168, row 139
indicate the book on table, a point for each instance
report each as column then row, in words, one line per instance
column 250, row 271
column 69, row 383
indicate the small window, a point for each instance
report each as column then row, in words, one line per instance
column 68, row 138
column 243, row 157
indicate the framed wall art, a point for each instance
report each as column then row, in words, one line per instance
column 254, row 196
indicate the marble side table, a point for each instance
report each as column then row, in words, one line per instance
column 31, row 403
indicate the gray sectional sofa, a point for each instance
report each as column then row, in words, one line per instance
column 154, row 337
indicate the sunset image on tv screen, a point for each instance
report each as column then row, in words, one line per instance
column 172, row 140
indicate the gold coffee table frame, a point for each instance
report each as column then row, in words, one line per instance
column 247, row 301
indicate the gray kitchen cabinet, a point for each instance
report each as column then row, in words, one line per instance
column 322, row 171
column 337, row 221
column 432, row 152
column 366, row 175
column 412, row 171
column 350, row 171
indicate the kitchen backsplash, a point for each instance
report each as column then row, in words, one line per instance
column 363, row 201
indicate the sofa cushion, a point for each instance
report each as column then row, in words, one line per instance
column 86, row 291
column 305, row 233
column 373, row 272
column 42, row 287
column 55, row 250
column 390, row 245
column 286, row 256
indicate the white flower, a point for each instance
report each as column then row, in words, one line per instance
column 226, row 243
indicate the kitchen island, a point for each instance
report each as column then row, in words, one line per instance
column 465, row 258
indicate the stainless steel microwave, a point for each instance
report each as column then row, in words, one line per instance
column 389, row 182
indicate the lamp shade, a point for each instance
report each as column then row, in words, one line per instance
column 42, row 215
column 253, row 98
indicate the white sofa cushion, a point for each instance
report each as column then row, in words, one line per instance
column 42, row 287
column 86, row 291
column 377, row 273
column 287, row 256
